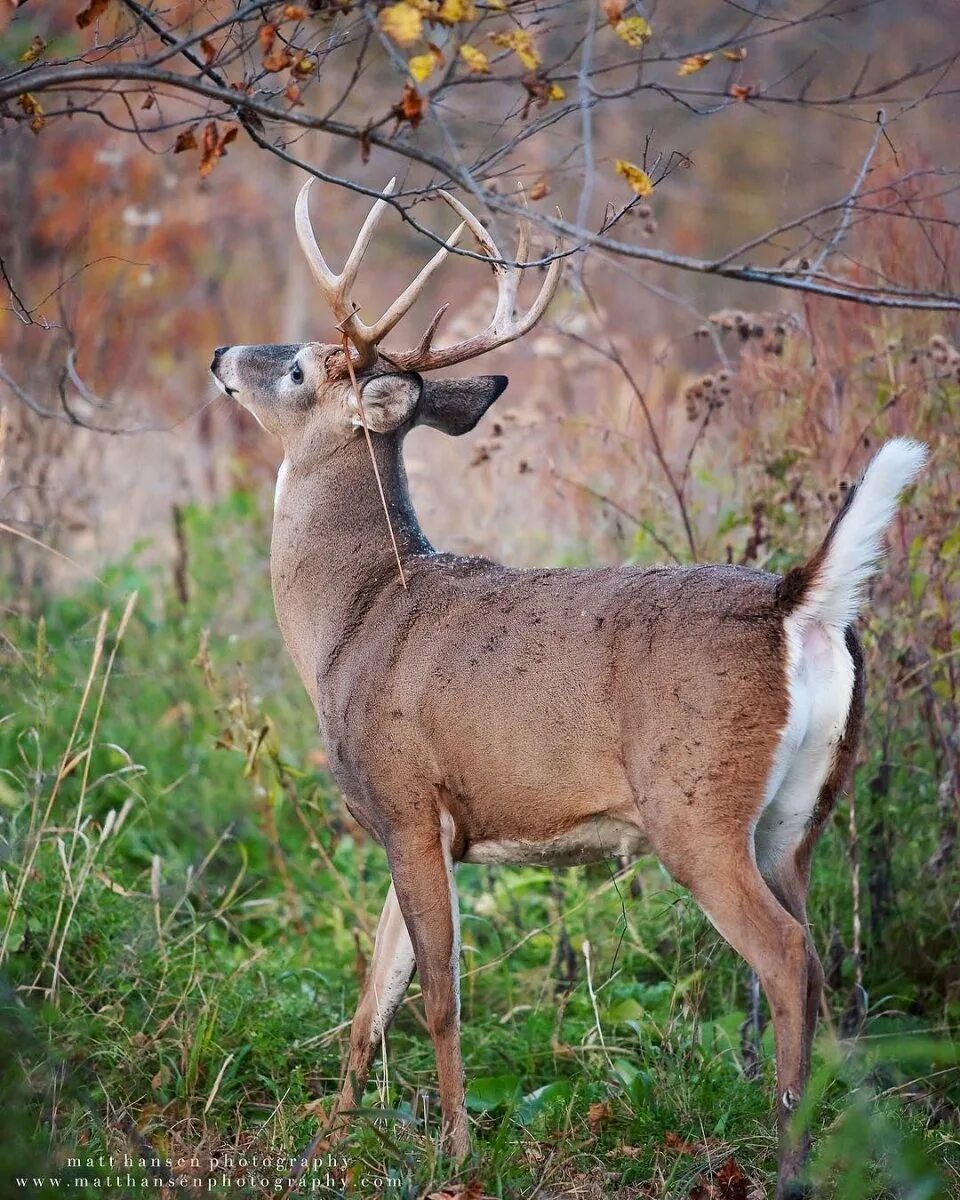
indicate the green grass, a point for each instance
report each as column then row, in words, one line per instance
column 186, row 907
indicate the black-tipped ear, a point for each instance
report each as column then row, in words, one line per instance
column 456, row 405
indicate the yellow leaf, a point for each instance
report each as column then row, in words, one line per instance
column 422, row 65
column 556, row 92
column 401, row 23
column 634, row 31
column 696, row 62
column 737, row 55
column 521, row 43
column 452, row 11
column 476, row 60
column 639, row 180
column 36, row 48
column 33, row 108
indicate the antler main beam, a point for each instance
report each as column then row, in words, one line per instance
column 505, row 326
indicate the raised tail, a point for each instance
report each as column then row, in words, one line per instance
column 829, row 587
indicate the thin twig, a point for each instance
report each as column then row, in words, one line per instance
column 373, row 458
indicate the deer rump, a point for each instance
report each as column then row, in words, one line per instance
column 564, row 716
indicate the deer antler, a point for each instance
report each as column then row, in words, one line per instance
column 337, row 288
column 505, row 326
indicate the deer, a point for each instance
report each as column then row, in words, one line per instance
column 473, row 712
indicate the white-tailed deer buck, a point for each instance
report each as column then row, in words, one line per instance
column 477, row 713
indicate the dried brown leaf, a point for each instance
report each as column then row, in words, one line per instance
column 410, row 107
column 540, row 189
column 95, row 9
column 598, row 1114
column 186, row 140
column 277, row 60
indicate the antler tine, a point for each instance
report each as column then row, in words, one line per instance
column 523, row 242
column 351, row 266
column 508, row 278
column 478, row 230
column 547, row 292
column 408, row 296
column 308, row 242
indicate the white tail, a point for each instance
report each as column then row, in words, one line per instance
column 854, row 546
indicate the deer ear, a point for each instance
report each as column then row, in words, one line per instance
column 456, row 405
column 389, row 401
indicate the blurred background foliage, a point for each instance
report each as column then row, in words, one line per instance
column 186, row 908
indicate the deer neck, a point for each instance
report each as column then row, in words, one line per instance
column 331, row 552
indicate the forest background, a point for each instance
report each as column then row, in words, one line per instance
column 758, row 205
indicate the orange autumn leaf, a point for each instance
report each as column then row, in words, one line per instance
column 735, row 55
column 95, row 9
column 215, row 146
column 540, row 189
column 278, row 60
column 741, row 91
column 410, row 107
column 186, row 140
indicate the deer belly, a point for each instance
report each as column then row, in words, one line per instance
column 594, row 840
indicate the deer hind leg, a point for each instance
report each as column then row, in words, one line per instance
column 731, row 891
column 386, row 982
column 813, row 773
column 421, row 862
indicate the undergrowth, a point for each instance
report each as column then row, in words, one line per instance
column 186, row 909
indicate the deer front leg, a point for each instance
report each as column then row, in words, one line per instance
column 421, row 862
column 384, row 987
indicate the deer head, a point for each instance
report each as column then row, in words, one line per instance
column 306, row 393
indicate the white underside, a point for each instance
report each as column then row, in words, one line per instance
column 820, row 675
column 593, row 840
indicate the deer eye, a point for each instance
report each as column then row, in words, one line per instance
column 296, row 374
